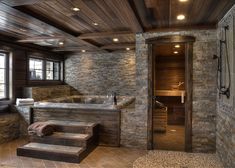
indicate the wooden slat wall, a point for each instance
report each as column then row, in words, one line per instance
column 19, row 64
column 108, row 120
column 169, row 72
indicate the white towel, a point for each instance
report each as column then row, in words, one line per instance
column 24, row 102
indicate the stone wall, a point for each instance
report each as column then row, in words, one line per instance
column 100, row 74
column 49, row 92
column 225, row 133
column 9, row 127
column 204, row 88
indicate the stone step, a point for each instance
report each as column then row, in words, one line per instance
column 63, row 138
column 53, row 152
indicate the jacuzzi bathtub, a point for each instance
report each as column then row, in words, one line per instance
column 88, row 101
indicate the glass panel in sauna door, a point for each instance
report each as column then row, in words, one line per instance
column 168, row 108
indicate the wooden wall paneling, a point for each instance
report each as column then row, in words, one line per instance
column 108, row 120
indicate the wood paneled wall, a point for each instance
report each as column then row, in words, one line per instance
column 19, row 56
column 169, row 72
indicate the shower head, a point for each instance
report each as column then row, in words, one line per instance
column 215, row 57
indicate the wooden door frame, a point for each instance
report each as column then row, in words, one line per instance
column 188, row 42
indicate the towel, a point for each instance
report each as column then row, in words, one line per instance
column 41, row 129
column 24, row 102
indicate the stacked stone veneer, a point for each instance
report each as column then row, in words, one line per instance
column 225, row 141
column 49, row 92
column 204, row 89
column 100, row 74
column 9, row 127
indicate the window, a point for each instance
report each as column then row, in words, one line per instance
column 4, row 76
column 52, row 70
column 36, row 69
column 41, row 69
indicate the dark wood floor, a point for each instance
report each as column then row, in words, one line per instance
column 101, row 157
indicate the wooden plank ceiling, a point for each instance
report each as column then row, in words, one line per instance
column 92, row 25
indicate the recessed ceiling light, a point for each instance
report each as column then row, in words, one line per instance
column 173, row 130
column 23, row 30
column 176, row 52
column 115, row 39
column 96, row 24
column 76, row 9
column 61, row 43
column 183, row 0
column 83, row 51
column 180, row 17
column 177, row 46
column 127, row 48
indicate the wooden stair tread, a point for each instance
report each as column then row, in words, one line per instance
column 72, row 123
column 53, row 148
column 66, row 135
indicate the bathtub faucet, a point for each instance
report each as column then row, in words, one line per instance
column 114, row 96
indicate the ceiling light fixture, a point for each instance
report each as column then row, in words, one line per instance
column 180, row 17
column 95, row 24
column 76, row 9
column 176, row 52
column 83, row 51
column 61, row 43
column 177, row 46
column 183, row 0
column 23, row 30
column 115, row 39
column 127, row 48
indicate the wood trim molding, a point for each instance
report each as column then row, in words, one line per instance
column 171, row 39
column 185, row 28
column 119, row 46
column 106, row 35
column 189, row 97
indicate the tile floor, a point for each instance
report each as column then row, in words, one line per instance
column 101, row 157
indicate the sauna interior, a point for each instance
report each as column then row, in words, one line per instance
column 169, row 93
column 117, row 83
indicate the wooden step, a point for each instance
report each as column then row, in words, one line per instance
column 69, row 139
column 74, row 127
column 71, row 142
column 53, row 152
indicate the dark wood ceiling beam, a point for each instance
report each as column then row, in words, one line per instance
column 118, row 46
column 75, row 49
column 126, row 14
column 40, row 38
column 106, row 35
column 142, row 12
column 184, row 28
column 13, row 3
